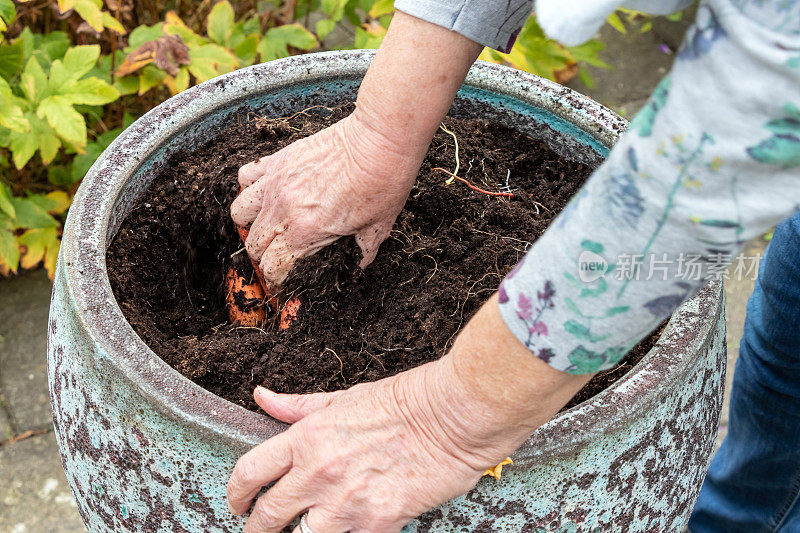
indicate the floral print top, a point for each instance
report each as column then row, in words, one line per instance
column 710, row 162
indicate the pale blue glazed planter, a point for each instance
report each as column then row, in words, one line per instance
column 145, row 449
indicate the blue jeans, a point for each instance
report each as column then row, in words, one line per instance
column 753, row 484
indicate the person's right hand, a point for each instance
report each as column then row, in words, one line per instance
column 354, row 177
column 347, row 179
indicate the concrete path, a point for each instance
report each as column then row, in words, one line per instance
column 34, row 496
column 737, row 292
column 638, row 60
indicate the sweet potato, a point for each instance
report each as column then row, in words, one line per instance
column 241, row 290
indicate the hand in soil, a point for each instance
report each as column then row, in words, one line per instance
column 366, row 459
column 372, row 457
column 344, row 180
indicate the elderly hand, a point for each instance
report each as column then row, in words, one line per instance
column 347, row 179
column 353, row 178
column 370, row 458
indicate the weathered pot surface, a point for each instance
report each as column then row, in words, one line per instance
column 145, row 449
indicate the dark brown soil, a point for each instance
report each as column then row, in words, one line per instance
column 450, row 249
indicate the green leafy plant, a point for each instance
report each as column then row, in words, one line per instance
column 623, row 18
column 29, row 229
column 91, row 11
column 44, row 114
column 536, row 53
column 172, row 54
column 7, row 14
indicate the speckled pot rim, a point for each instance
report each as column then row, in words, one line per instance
column 83, row 257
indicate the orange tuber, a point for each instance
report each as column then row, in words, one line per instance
column 255, row 289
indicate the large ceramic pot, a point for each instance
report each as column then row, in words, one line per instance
column 145, row 449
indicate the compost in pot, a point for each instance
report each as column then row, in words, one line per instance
column 449, row 250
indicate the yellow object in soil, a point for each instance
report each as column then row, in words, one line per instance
column 496, row 471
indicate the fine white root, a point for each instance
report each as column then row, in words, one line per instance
column 507, row 187
column 458, row 162
column 252, row 327
column 341, row 364
column 284, row 119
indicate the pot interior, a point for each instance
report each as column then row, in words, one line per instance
column 570, row 124
column 561, row 136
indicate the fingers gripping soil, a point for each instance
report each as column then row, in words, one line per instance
column 285, row 249
column 251, row 172
column 247, row 205
column 370, row 239
column 261, row 234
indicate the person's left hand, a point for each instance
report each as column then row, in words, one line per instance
column 372, row 457
column 369, row 458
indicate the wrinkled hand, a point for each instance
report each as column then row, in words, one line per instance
column 347, row 179
column 370, row 458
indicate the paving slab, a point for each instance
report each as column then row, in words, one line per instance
column 7, row 427
column 737, row 291
column 638, row 60
column 34, row 495
column 24, row 306
column 6, row 431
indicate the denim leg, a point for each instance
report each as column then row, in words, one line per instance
column 753, row 484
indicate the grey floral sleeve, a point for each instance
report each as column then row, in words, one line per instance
column 711, row 161
column 492, row 23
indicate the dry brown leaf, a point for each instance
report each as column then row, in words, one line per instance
column 566, row 73
column 168, row 52
column 120, row 6
column 85, row 27
column 171, row 52
column 137, row 59
column 374, row 28
column 25, row 435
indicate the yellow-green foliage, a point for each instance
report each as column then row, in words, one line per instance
column 73, row 76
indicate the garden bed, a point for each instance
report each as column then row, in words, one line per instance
column 448, row 252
